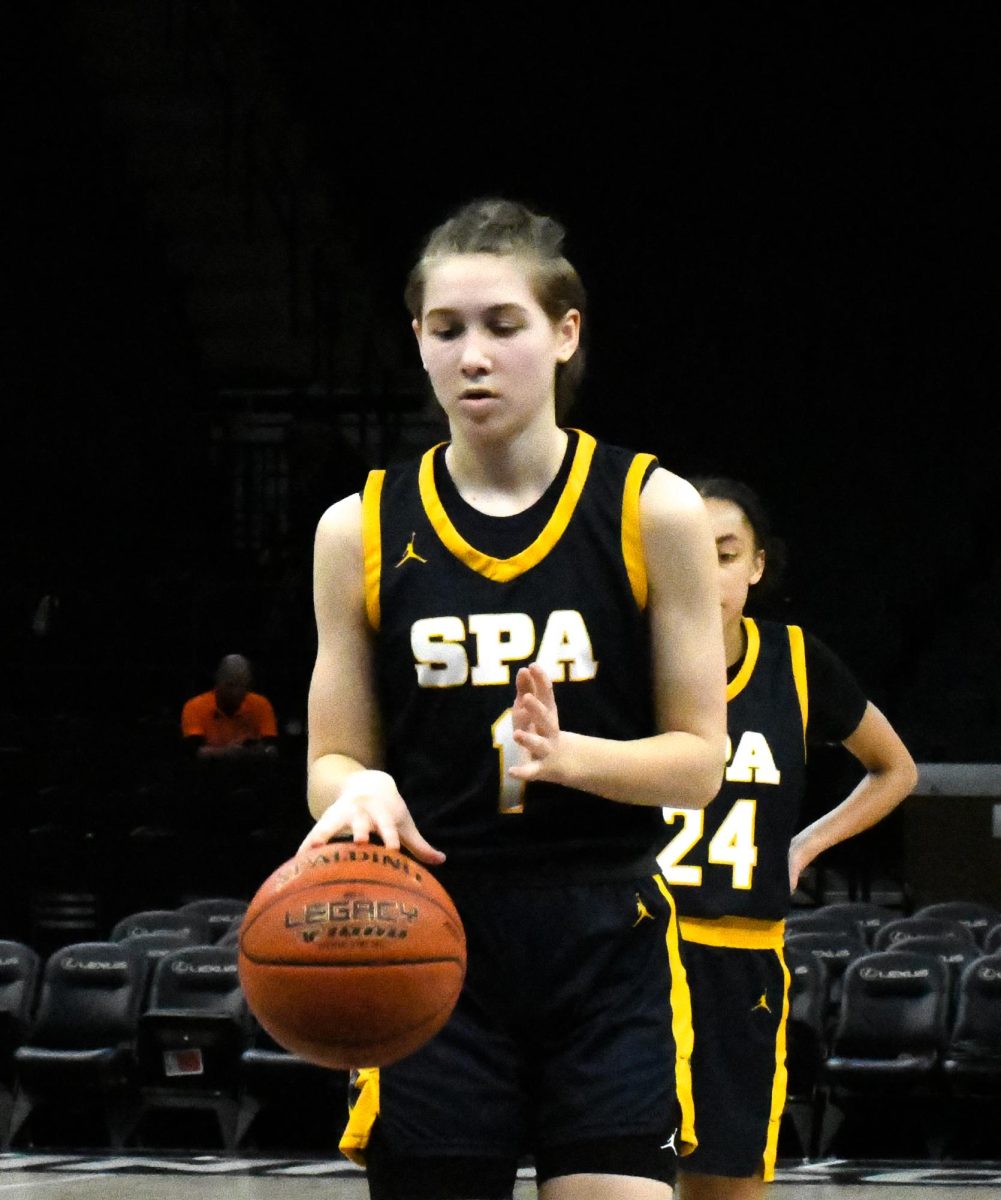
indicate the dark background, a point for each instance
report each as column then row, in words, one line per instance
column 785, row 215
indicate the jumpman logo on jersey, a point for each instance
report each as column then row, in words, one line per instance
column 642, row 910
column 410, row 552
column 669, row 1144
column 762, row 1003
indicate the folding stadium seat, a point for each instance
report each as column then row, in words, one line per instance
column 810, row 919
column 221, row 912
column 837, row 948
column 955, row 952
column 972, row 1061
column 155, row 944
column 895, row 933
column 978, row 917
column 20, row 972
column 270, row 1075
column 192, row 1032
column 195, row 926
column 887, row 1044
column 859, row 914
column 992, row 939
column 78, row 1058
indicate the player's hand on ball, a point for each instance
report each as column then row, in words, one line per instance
column 369, row 804
column 536, row 725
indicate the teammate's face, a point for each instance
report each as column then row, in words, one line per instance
column 488, row 346
column 741, row 563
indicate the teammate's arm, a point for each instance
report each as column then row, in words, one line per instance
column 348, row 793
column 683, row 765
column 890, row 776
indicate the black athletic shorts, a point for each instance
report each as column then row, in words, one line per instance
column 739, row 995
column 569, row 1045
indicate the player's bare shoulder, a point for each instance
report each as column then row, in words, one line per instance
column 338, row 554
column 671, row 507
column 340, row 526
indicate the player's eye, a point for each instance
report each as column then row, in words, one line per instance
column 446, row 333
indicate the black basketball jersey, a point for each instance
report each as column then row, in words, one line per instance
column 452, row 624
column 731, row 858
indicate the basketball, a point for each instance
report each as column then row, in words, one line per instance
column 351, row 955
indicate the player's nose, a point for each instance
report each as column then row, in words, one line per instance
column 475, row 357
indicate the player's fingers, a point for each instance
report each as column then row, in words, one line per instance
column 536, row 745
column 321, row 833
column 423, row 850
column 542, row 713
column 543, row 685
column 523, row 682
column 361, row 828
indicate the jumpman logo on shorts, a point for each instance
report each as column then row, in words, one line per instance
column 410, row 552
column 762, row 1003
column 669, row 1144
column 642, row 910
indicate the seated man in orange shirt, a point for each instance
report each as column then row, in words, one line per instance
column 231, row 720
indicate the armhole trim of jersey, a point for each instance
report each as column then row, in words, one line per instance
column 739, row 681
column 797, row 650
column 371, row 535
column 502, row 570
column 632, row 537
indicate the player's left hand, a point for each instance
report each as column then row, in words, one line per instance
column 798, row 862
column 536, row 725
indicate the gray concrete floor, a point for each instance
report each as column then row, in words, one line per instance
column 38, row 1176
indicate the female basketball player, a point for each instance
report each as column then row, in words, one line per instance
column 519, row 664
column 733, row 867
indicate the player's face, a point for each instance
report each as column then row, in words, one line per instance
column 741, row 564
column 488, row 346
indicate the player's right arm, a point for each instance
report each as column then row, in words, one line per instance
column 682, row 765
column 347, row 792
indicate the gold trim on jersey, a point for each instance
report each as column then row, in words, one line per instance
column 371, row 537
column 682, row 1028
column 739, row 933
column 780, row 1083
column 739, row 681
column 502, row 570
column 632, row 540
column 797, row 649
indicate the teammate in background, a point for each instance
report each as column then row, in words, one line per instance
column 733, row 867
column 464, row 604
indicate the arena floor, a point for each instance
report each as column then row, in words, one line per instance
column 39, row 1176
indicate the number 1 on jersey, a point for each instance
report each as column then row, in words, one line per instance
column 512, row 791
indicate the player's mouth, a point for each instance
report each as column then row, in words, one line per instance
column 477, row 399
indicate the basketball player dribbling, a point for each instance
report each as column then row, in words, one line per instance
column 519, row 663
column 733, row 867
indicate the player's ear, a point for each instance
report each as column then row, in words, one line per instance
column 415, row 325
column 568, row 335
